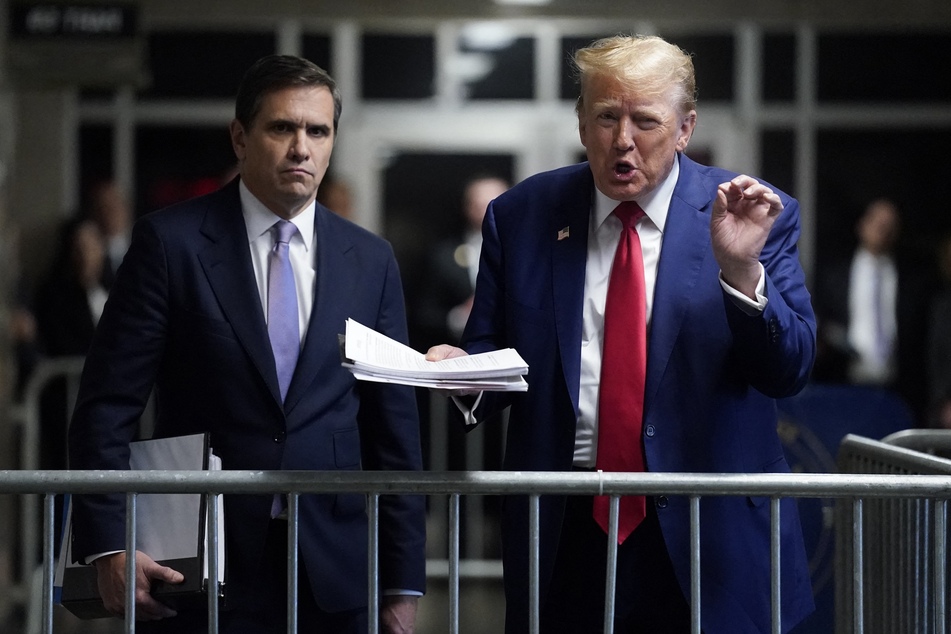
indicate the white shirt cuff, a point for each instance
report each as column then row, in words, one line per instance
column 744, row 303
column 399, row 592
column 92, row 558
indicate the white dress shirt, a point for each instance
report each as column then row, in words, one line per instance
column 258, row 220
column 872, row 322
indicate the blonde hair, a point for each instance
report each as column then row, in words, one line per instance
column 645, row 63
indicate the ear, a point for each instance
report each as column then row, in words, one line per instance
column 582, row 128
column 687, row 125
column 238, row 141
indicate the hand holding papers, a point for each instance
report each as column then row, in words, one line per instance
column 371, row 356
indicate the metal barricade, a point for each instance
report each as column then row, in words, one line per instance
column 860, row 489
column 25, row 417
column 891, row 551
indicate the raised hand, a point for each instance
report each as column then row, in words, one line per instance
column 743, row 214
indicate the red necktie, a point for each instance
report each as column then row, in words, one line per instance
column 623, row 368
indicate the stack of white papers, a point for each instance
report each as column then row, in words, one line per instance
column 371, row 356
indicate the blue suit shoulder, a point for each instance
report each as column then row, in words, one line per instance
column 547, row 190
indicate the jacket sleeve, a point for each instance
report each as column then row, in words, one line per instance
column 777, row 349
column 116, row 384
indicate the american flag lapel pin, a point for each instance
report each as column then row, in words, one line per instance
column 564, row 233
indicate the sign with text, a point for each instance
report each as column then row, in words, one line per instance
column 94, row 21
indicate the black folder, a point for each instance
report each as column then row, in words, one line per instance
column 170, row 528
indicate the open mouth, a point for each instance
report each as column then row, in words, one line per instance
column 623, row 169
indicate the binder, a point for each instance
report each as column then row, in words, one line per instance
column 171, row 528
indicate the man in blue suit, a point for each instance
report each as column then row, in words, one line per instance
column 187, row 316
column 729, row 329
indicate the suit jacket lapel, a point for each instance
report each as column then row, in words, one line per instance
column 227, row 264
column 686, row 245
column 335, row 274
column 569, row 235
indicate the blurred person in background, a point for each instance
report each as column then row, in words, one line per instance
column 72, row 297
column 452, row 266
column 109, row 208
column 872, row 311
column 69, row 303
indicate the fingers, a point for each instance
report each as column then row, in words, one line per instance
column 148, row 608
column 444, row 351
column 111, row 579
column 162, row 573
column 745, row 187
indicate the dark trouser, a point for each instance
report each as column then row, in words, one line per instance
column 268, row 613
column 648, row 599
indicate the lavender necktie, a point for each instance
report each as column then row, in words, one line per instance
column 282, row 315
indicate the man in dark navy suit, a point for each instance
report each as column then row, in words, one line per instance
column 188, row 315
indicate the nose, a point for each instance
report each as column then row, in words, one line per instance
column 299, row 150
column 624, row 135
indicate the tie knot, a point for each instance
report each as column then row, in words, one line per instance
column 285, row 230
column 629, row 212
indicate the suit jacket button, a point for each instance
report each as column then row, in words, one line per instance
column 649, row 430
column 661, row 501
column 279, row 436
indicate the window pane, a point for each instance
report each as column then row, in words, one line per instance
column 95, row 155
column 398, row 66
column 316, row 48
column 779, row 67
column 177, row 163
column 501, row 69
column 713, row 63
column 206, row 65
column 779, row 158
column 895, row 68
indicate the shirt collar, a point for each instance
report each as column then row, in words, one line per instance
column 258, row 219
column 655, row 204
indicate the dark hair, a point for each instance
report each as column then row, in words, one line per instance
column 276, row 72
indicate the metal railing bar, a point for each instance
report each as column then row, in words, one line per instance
column 130, row 549
column 373, row 553
column 485, row 483
column 211, row 503
column 695, row 564
column 940, row 562
column 533, row 567
column 775, row 562
column 454, row 564
column 858, row 583
column 610, row 581
column 293, row 560
column 48, row 545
